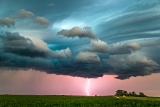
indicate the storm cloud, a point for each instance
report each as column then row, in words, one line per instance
column 81, row 38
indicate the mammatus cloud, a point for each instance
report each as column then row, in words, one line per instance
column 134, row 64
column 87, row 57
column 7, row 22
column 42, row 21
column 26, row 14
column 78, row 32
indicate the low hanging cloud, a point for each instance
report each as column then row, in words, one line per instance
column 42, row 21
column 26, row 14
column 87, row 57
column 78, row 32
column 18, row 52
column 9, row 22
column 126, row 66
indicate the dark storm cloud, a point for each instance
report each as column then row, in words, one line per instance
column 13, row 62
column 18, row 52
column 7, row 22
column 60, row 67
column 78, row 32
column 128, row 42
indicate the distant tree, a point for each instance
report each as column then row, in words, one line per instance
column 129, row 94
column 141, row 94
column 134, row 93
column 121, row 93
column 125, row 93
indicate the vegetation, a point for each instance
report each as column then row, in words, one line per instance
column 77, row 101
column 125, row 93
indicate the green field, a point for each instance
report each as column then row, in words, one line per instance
column 76, row 101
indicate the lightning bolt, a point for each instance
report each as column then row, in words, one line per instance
column 87, row 87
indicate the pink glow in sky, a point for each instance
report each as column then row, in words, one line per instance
column 35, row 82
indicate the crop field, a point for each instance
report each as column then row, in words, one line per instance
column 76, row 101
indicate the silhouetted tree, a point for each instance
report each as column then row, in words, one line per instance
column 121, row 93
column 141, row 94
column 129, row 94
column 125, row 93
column 134, row 93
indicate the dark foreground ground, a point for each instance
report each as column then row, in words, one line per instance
column 76, row 101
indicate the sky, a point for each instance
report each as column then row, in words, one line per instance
column 76, row 47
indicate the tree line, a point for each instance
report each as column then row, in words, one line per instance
column 125, row 93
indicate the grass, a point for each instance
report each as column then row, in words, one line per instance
column 76, row 101
column 144, row 98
